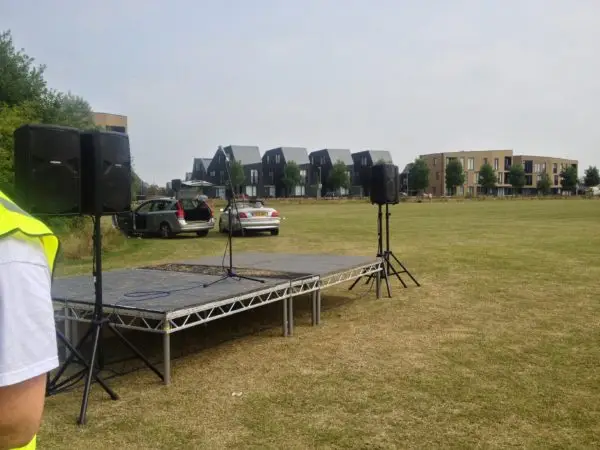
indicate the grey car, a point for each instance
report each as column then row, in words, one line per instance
column 167, row 217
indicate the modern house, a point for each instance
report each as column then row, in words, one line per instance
column 249, row 157
column 200, row 169
column 274, row 162
column 363, row 162
column 501, row 161
column 322, row 161
column 404, row 181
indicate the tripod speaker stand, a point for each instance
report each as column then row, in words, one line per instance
column 230, row 208
column 385, row 191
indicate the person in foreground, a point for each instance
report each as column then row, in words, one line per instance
column 28, row 349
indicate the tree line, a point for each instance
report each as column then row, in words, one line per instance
column 418, row 177
column 26, row 98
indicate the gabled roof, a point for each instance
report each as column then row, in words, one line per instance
column 246, row 154
column 297, row 154
column 204, row 161
column 384, row 155
column 337, row 154
column 408, row 167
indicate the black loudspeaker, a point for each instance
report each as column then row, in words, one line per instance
column 385, row 189
column 176, row 185
column 106, row 172
column 48, row 169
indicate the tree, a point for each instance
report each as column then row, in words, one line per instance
column 592, row 177
column 338, row 177
column 487, row 177
column 291, row 177
column 568, row 178
column 455, row 175
column 516, row 177
column 238, row 177
column 418, row 176
column 544, row 184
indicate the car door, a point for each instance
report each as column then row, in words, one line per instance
column 160, row 212
column 141, row 216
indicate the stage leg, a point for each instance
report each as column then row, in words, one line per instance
column 167, row 355
column 290, row 301
column 314, row 308
column 378, row 284
column 285, row 318
column 318, row 306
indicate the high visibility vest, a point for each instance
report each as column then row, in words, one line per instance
column 17, row 223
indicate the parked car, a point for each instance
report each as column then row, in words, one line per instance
column 167, row 217
column 250, row 216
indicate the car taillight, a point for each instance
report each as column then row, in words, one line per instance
column 275, row 214
column 180, row 214
column 243, row 215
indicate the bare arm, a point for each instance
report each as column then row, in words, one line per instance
column 21, row 412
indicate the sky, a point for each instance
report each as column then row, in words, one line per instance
column 411, row 77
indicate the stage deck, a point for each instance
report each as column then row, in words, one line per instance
column 171, row 297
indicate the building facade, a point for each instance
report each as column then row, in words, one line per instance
column 111, row 122
column 501, row 161
column 363, row 163
column 249, row 157
column 274, row 162
column 321, row 162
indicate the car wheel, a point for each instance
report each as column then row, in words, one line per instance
column 275, row 232
column 165, row 230
column 202, row 233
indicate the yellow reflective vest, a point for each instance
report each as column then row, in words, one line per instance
column 17, row 223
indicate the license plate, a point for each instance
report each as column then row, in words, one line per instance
column 260, row 214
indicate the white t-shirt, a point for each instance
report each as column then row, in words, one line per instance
column 27, row 330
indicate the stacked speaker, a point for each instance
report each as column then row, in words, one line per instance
column 63, row 171
column 385, row 184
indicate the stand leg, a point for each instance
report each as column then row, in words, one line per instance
column 90, row 375
column 314, row 308
column 285, row 317
column 318, row 307
column 135, row 351
column 290, row 308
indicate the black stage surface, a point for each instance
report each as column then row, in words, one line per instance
column 180, row 285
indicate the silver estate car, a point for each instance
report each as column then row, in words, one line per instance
column 250, row 216
column 167, row 217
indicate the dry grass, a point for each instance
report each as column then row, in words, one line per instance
column 498, row 349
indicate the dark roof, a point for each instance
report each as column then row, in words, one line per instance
column 297, row 154
column 336, row 154
column 246, row 154
column 384, row 155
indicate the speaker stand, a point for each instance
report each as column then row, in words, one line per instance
column 91, row 369
column 388, row 258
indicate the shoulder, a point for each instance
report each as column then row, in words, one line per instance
column 20, row 251
column 23, row 266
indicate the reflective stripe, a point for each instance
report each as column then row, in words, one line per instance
column 13, row 207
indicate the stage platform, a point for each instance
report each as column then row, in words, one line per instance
column 173, row 297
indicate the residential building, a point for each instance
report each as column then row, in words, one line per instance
column 200, row 169
column 363, row 162
column 322, row 161
column 249, row 157
column 111, row 122
column 536, row 165
column 500, row 160
column 274, row 162
column 404, row 181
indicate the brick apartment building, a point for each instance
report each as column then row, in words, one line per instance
column 501, row 161
column 111, row 122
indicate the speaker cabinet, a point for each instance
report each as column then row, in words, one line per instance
column 48, row 169
column 106, row 172
column 385, row 187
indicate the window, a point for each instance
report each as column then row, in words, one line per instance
column 466, row 177
column 485, row 160
column 556, row 180
column 277, row 158
column 462, row 162
column 212, row 173
column 543, row 167
column 363, row 161
column 496, row 163
column 145, row 207
column 555, row 169
column 198, row 166
column 271, row 176
column 349, row 174
column 268, row 159
column 529, row 180
column 254, row 176
column 221, row 175
column 435, row 161
column 476, row 178
column 299, row 191
column 528, row 166
column 303, row 178
column 471, row 162
column 500, row 177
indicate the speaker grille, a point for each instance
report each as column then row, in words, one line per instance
column 48, row 169
column 385, row 188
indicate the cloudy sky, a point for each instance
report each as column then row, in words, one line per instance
column 410, row 77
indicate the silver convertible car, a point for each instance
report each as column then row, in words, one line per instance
column 250, row 216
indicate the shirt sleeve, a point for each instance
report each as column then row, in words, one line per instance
column 27, row 329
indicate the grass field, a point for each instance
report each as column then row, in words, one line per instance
column 499, row 348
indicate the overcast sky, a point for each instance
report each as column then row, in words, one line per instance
column 410, row 77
